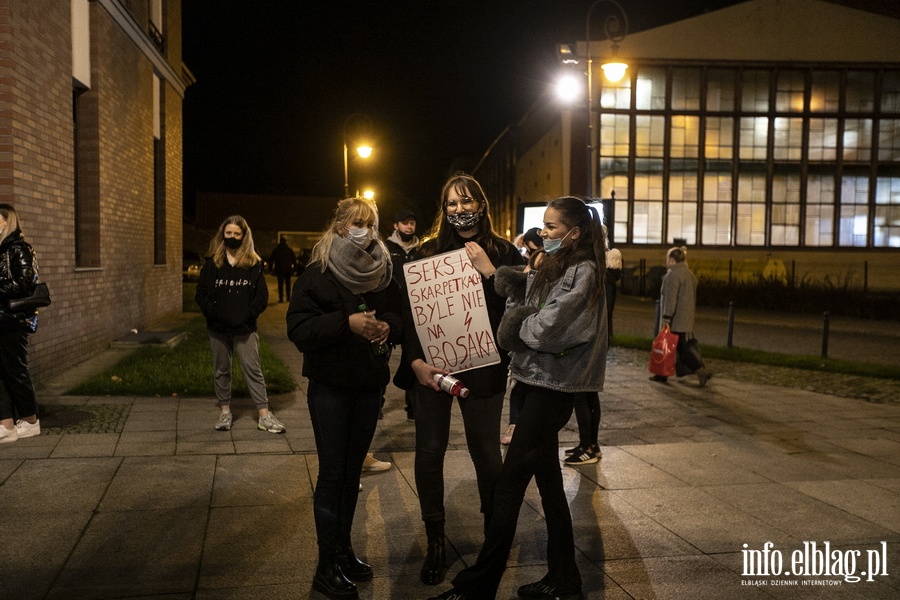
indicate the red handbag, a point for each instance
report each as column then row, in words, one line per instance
column 662, row 353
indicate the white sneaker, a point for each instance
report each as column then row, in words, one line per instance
column 8, row 435
column 26, row 429
column 373, row 464
column 270, row 423
column 224, row 422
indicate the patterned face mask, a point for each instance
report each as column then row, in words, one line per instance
column 464, row 221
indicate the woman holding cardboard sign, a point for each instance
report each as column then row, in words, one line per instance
column 463, row 222
column 555, row 328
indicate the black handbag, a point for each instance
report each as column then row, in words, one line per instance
column 38, row 299
column 688, row 360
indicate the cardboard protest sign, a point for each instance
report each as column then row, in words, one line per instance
column 450, row 312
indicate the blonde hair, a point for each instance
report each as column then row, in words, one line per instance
column 13, row 222
column 348, row 210
column 245, row 256
column 677, row 253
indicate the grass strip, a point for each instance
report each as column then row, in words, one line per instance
column 185, row 370
column 762, row 357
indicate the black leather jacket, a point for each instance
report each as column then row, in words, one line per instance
column 16, row 271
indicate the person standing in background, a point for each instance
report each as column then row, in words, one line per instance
column 402, row 245
column 283, row 263
column 587, row 405
column 613, row 275
column 18, row 404
column 677, row 307
column 231, row 294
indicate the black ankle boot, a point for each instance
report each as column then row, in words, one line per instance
column 352, row 568
column 435, row 567
column 330, row 581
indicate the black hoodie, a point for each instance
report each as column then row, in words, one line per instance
column 231, row 298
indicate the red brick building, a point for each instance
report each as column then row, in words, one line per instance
column 91, row 98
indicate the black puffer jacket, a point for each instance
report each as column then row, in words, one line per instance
column 16, row 271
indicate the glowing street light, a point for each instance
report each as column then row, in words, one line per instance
column 362, row 126
column 614, row 70
column 369, row 194
column 568, row 88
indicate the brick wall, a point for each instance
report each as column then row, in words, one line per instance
column 91, row 306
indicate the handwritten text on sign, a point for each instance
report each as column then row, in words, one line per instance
column 450, row 313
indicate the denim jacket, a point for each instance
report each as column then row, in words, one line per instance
column 561, row 344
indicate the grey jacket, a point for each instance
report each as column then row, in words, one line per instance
column 678, row 298
column 561, row 344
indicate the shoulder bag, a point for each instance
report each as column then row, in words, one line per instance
column 39, row 298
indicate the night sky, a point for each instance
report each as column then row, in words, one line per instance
column 439, row 80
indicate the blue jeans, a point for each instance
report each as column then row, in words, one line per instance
column 344, row 424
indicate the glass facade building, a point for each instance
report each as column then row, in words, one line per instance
column 804, row 156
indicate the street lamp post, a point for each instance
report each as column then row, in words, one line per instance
column 364, row 150
column 614, row 30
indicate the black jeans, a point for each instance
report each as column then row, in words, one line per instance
column 17, row 398
column 481, row 418
column 284, row 286
column 587, row 413
column 344, row 424
column 533, row 452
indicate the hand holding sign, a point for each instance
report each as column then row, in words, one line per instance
column 480, row 259
column 449, row 310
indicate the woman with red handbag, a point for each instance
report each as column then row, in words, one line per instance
column 677, row 305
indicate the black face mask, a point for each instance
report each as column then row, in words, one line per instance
column 406, row 237
column 233, row 243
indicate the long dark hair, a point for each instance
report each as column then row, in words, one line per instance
column 442, row 236
column 589, row 246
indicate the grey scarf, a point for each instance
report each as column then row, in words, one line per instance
column 360, row 270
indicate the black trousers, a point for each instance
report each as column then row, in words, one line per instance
column 481, row 419
column 344, row 423
column 533, row 452
column 284, row 286
column 587, row 414
column 17, row 398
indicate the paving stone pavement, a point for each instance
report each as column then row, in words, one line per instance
column 693, row 484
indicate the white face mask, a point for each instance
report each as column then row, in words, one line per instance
column 359, row 235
